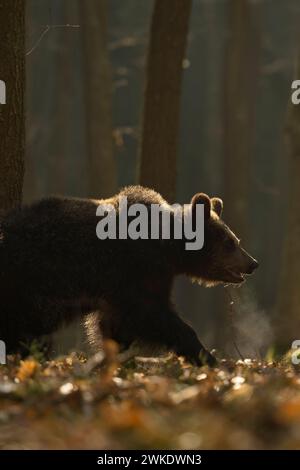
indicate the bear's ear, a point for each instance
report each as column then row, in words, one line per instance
column 217, row 205
column 201, row 198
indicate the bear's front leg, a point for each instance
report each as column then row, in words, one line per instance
column 187, row 344
column 183, row 340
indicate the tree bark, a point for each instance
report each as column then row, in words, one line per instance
column 241, row 72
column 12, row 121
column 168, row 39
column 288, row 318
column 240, row 85
column 102, row 173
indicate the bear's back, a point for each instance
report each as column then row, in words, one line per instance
column 52, row 245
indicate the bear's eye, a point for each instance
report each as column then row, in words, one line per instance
column 230, row 244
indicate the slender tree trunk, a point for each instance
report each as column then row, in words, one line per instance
column 168, row 38
column 240, row 85
column 241, row 71
column 12, row 121
column 98, row 84
column 288, row 319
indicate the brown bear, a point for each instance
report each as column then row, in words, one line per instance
column 54, row 268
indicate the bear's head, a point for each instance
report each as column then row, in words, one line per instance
column 222, row 258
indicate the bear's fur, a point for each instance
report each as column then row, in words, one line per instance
column 54, row 268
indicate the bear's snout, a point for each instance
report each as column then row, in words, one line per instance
column 252, row 264
column 248, row 263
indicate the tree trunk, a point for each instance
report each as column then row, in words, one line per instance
column 240, row 85
column 98, row 85
column 168, row 39
column 12, row 121
column 288, row 320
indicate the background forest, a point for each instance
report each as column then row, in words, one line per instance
column 84, row 134
column 183, row 96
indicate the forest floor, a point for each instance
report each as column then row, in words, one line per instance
column 154, row 403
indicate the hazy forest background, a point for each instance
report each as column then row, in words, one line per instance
column 99, row 118
column 183, row 96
